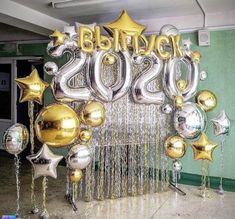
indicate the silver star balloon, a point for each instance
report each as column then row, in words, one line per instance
column 44, row 162
column 70, row 31
column 221, row 124
column 91, row 26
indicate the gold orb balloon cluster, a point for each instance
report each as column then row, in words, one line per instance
column 58, row 125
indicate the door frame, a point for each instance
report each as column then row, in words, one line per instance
column 13, row 62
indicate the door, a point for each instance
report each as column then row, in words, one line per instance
column 7, row 96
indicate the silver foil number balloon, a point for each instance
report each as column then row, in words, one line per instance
column 44, row 162
column 139, row 89
column 79, row 157
column 221, row 124
column 15, row 139
column 191, row 121
column 169, row 78
column 123, row 83
column 60, row 84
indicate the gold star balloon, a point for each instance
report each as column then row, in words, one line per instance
column 58, row 37
column 31, row 87
column 125, row 24
column 203, row 148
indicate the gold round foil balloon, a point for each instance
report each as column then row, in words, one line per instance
column 57, row 125
column 206, row 100
column 85, row 135
column 196, row 56
column 93, row 114
column 76, row 176
column 179, row 102
column 109, row 59
column 175, row 147
column 181, row 85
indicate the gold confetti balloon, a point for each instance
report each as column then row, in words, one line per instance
column 57, row 125
column 93, row 114
column 85, row 135
column 109, row 59
column 181, row 85
column 76, row 176
column 179, row 102
column 175, row 147
column 206, row 100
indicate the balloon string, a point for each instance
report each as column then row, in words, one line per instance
column 67, row 180
column 203, row 183
column 222, row 163
column 208, row 180
column 168, row 130
column 17, row 172
column 74, row 192
column 31, row 120
column 31, row 129
column 44, row 194
column 124, row 148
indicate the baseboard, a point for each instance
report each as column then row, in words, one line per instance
column 195, row 180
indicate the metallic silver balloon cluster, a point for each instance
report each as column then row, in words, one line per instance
column 131, row 121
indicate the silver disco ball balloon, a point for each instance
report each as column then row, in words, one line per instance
column 191, row 121
column 79, row 157
column 15, row 139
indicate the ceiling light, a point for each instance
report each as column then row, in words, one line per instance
column 72, row 3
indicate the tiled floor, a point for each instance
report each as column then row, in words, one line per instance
column 153, row 206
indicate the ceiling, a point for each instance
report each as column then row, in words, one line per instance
column 39, row 15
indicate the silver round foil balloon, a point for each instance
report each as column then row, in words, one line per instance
column 170, row 78
column 177, row 165
column 15, row 139
column 123, row 83
column 168, row 30
column 221, row 124
column 139, row 89
column 62, row 91
column 79, row 157
column 167, row 108
column 51, row 68
column 203, row 75
column 44, row 162
column 191, row 121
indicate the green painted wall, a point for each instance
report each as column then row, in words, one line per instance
column 219, row 62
